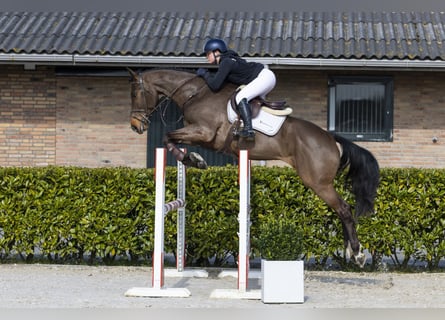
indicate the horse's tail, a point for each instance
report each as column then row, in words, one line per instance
column 364, row 174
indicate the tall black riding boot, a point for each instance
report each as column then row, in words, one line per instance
column 246, row 116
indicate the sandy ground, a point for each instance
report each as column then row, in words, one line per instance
column 64, row 286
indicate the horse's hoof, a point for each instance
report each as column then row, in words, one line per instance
column 360, row 259
column 195, row 160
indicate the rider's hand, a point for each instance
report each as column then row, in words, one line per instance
column 201, row 72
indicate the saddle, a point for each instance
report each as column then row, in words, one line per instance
column 257, row 103
column 267, row 117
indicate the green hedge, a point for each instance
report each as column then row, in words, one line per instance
column 69, row 214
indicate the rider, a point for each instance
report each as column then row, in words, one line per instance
column 258, row 79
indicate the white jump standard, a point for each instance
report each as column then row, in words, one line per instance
column 161, row 209
column 244, row 237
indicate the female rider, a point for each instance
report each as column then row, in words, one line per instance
column 258, row 79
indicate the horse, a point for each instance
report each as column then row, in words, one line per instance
column 317, row 155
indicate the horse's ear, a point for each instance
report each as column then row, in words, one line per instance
column 133, row 74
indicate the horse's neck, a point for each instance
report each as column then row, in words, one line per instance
column 180, row 86
column 169, row 82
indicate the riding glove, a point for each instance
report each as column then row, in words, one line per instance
column 201, row 72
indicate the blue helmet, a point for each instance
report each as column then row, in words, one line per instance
column 215, row 44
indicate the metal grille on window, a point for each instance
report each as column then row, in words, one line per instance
column 361, row 109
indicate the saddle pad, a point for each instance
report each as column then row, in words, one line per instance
column 264, row 122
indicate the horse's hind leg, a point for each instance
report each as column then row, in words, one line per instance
column 359, row 258
column 343, row 210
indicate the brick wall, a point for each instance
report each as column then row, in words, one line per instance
column 49, row 120
column 93, row 123
column 84, row 121
column 27, row 116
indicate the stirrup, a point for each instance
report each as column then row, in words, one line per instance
column 248, row 134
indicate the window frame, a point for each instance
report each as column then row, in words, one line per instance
column 386, row 135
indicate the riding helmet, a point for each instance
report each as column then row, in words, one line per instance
column 215, row 44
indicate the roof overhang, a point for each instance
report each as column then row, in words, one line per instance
column 30, row 60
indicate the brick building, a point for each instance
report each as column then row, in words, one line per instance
column 64, row 91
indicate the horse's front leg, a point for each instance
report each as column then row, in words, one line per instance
column 192, row 159
column 189, row 136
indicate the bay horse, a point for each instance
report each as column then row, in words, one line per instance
column 316, row 154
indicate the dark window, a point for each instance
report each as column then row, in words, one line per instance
column 361, row 108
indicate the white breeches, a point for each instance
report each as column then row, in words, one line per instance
column 258, row 87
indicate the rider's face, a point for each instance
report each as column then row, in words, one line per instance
column 213, row 57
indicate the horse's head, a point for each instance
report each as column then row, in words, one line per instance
column 143, row 102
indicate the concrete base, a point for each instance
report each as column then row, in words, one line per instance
column 253, row 274
column 236, row 294
column 168, row 292
column 153, row 292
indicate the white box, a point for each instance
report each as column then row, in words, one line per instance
column 282, row 281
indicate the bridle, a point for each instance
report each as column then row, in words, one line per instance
column 142, row 115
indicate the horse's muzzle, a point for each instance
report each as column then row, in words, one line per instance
column 139, row 122
column 138, row 126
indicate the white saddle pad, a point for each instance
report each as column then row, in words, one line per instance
column 264, row 122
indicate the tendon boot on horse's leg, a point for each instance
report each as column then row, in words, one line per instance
column 178, row 154
column 246, row 116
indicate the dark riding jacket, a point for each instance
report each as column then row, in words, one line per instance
column 234, row 69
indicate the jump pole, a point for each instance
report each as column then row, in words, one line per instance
column 161, row 209
column 242, row 273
